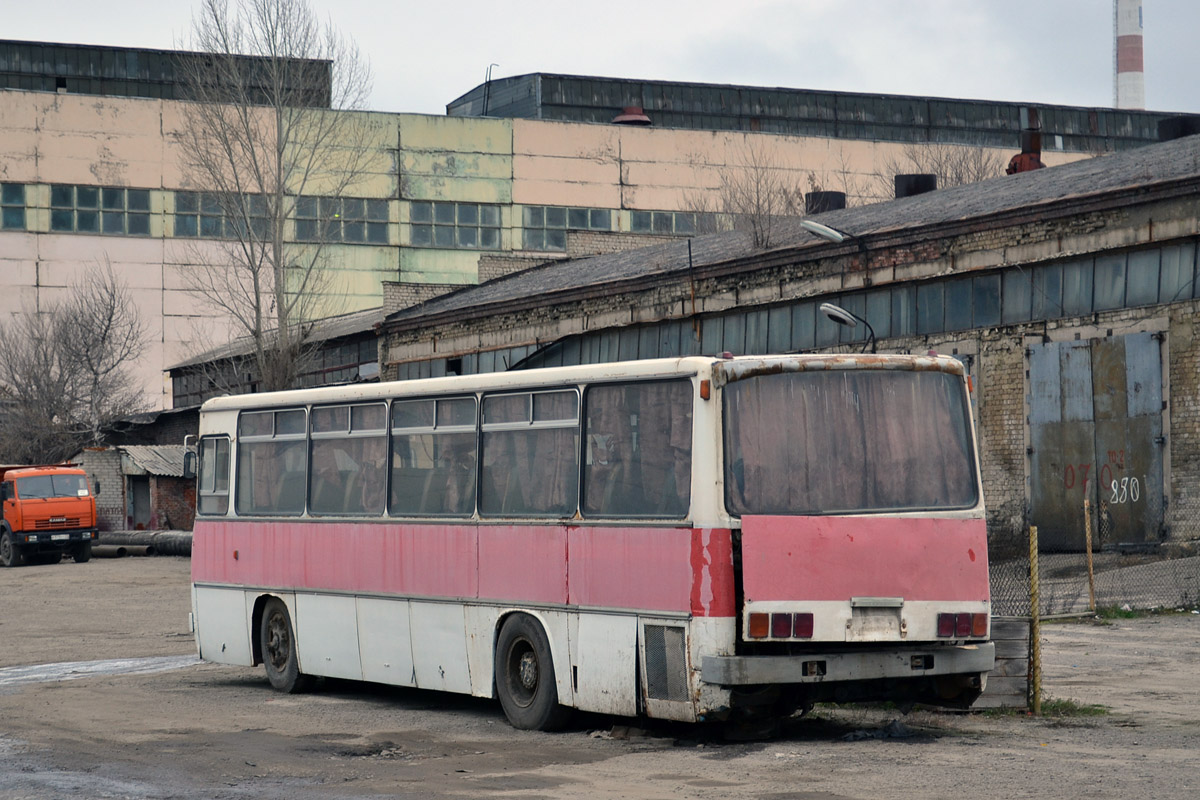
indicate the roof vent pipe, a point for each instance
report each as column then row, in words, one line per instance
column 915, row 183
column 817, row 202
column 631, row 115
column 1030, row 157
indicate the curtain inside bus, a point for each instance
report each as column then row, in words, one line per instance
column 638, row 461
column 847, row 441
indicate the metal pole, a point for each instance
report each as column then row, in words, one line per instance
column 1087, row 537
column 1035, row 628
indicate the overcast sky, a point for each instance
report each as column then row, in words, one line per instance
column 425, row 54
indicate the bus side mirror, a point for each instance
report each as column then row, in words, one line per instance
column 189, row 465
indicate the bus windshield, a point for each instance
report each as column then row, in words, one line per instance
column 44, row 486
column 847, row 441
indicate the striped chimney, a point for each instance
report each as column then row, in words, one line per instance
column 1129, row 87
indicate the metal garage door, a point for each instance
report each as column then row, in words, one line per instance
column 1096, row 432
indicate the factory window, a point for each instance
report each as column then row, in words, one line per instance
column 677, row 223
column 211, row 215
column 546, row 226
column 12, row 206
column 471, row 226
column 354, row 220
column 95, row 209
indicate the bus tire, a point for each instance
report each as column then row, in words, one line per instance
column 10, row 551
column 524, row 671
column 278, row 643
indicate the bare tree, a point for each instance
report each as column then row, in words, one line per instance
column 268, row 135
column 754, row 194
column 757, row 192
column 65, row 371
column 100, row 334
column 953, row 164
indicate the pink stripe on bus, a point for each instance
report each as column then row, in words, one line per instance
column 523, row 563
column 338, row 556
column 837, row 558
column 646, row 569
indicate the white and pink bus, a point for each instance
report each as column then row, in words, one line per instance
column 692, row 539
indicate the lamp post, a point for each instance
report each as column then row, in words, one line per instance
column 825, row 232
column 848, row 318
column 834, row 312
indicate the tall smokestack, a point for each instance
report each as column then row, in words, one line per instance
column 1129, row 87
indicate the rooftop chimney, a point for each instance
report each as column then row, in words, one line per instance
column 817, row 202
column 915, row 183
column 1030, row 157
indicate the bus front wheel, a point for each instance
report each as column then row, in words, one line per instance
column 279, row 649
column 524, row 673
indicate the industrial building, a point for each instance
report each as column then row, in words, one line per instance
column 1069, row 293
column 93, row 170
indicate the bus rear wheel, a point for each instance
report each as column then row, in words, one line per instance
column 524, row 671
column 278, row 643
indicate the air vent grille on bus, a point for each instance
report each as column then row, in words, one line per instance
column 666, row 663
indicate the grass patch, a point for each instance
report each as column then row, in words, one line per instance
column 1119, row 612
column 1052, row 708
column 1055, row 708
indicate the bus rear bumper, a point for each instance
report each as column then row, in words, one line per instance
column 931, row 661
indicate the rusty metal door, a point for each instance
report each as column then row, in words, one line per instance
column 1096, row 432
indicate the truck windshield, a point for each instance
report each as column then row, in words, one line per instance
column 42, row 486
column 847, row 441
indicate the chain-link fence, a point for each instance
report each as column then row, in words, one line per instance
column 1144, row 574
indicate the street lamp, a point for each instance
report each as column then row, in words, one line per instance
column 848, row 318
column 825, row 232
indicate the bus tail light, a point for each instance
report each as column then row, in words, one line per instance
column 962, row 626
column 780, row 626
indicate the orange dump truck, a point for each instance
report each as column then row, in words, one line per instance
column 46, row 511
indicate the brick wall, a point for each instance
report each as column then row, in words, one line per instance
column 103, row 466
column 581, row 244
column 172, row 503
column 397, row 295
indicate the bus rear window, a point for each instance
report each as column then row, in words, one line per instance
column 847, row 441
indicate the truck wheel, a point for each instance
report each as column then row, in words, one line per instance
column 279, row 649
column 524, row 672
column 83, row 553
column 10, row 553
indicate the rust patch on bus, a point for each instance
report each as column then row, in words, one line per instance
column 743, row 368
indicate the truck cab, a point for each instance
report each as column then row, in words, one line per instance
column 46, row 511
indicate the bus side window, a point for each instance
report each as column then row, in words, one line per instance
column 530, row 454
column 213, row 481
column 433, row 460
column 271, row 462
column 639, row 450
column 348, row 460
